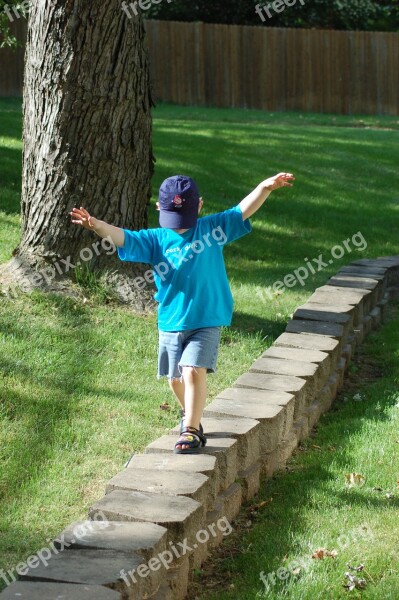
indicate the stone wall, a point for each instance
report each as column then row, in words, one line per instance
column 162, row 514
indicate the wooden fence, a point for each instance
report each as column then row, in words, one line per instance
column 261, row 67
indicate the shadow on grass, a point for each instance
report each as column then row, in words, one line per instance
column 43, row 416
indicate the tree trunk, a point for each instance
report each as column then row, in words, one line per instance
column 87, row 139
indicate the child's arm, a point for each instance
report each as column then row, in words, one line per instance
column 82, row 217
column 256, row 198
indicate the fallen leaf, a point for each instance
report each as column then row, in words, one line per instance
column 389, row 495
column 354, row 479
column 321, row 553
column 260, row 505
column 165, row 406
column 377, row 489
column 296, row 571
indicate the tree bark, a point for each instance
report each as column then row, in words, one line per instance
column 87, row 138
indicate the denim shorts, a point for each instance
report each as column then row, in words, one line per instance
column 190, row 348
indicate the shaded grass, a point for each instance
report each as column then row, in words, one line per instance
column 309, row 506
column 79, row 392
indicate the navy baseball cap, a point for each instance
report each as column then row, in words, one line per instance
column 178, row 203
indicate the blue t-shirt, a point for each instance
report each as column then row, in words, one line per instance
column 189, row 271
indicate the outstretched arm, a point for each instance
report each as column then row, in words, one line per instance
column 80, row 216
column 256, row 198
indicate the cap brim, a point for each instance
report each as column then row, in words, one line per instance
column 174, row 220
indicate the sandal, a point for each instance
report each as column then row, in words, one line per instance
column 182, row 415
column 191, row 437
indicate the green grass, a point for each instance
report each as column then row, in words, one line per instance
column 79, row 390
column 309, row 506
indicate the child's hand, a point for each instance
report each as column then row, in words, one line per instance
column 82, row 217
column 278, row 181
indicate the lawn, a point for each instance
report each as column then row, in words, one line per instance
column 78, row 390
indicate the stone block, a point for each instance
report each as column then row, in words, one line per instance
column 269, row 463
column 347, row 354
column 364, row 283
column 189, row 463
column 372, row 273
column 270, row 417
column 359, row 295
column 301, row 427
column 302, row 389
column 179, row 483
column 381, row 262
column 27, row 590
column 198, row 557
column 178, row 578
column 334, row 297
column 245, row 430
column 322, row 359
column 163, row 593
column 330, row 315
column 211, row 519
column 376, row 317
column 313, row 414
column 334, row 330
column 246, row 403
column 286, row 448
column 359, row 334
column 367, row 324
column 231, row 499
column 323, row 343
column 250, row 481
column 341, row 373
column 382, row 305
column 146, row 539
column 311, row 372
column 342, row 313
column 333, row 383
column 321, row 404
column 181, row 516
column 377, row 286
column 224, row 449
column 109, row 568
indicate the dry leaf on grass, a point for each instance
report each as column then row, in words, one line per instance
column 255, row 507
column 165, row 406
column 323, row 553
column 352, row 479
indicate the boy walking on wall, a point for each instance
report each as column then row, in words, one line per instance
column 193, row 292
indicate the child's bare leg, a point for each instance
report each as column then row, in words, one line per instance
column 195, row 391
column 177, row 387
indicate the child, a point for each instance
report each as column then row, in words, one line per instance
column 193, row 292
